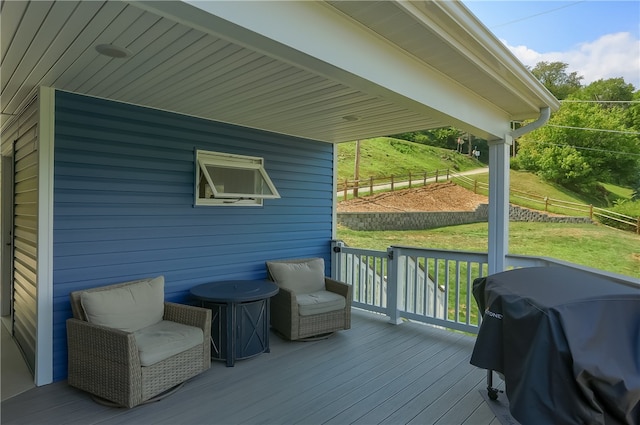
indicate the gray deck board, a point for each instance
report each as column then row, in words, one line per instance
column 375, row 373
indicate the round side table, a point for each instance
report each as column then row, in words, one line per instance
column 240, row 317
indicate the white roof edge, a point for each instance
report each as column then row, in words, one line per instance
column 466, row 19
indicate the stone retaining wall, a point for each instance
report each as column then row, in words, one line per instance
column 430, row 220
column 517, row 213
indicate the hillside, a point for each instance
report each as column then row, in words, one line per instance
column 385, row 156
column 433, row 197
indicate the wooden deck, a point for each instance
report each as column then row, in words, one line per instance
column 375, row 373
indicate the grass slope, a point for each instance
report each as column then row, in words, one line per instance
column 589, row 245
column 385, row 156
column 530, row 183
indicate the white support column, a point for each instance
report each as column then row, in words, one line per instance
column 44, row 339
column 498, row 203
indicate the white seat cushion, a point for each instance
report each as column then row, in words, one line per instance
column 319, row 302
column 165, row 339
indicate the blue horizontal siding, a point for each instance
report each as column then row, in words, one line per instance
column 130, row 233
column 123, row 203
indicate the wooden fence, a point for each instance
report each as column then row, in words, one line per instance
column 558, row 206
column 368, row 186
column 390, row 183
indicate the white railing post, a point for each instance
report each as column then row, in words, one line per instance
column 393, row 287
column 336, row 245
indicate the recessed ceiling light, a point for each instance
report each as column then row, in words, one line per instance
column 351, row 118
column 113, row 51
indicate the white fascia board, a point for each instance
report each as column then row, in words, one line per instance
column 305, row 33
column 493, row 56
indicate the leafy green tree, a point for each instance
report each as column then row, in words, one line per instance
column 441, row 137
column 613, row 89
column 555, row 78
column 566, row 166
column 447, row 138
column 632, row 113
column 635, row 195
column 558, row 163
column 572, row 149
column 444, row 137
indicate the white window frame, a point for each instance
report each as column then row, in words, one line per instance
column 225, row 160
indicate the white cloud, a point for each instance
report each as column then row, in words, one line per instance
column 610, row 56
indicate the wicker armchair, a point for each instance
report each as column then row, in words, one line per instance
column 308, row 305
column 111, row 362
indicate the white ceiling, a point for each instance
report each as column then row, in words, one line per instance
column 185, row 63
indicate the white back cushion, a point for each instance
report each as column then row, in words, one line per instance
column 128, row 308
column 298, row 277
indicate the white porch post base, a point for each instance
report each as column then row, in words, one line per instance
column 498, row 203
column 393, row 288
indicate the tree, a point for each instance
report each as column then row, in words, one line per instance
column 632, row 113
column 574, row 151
column 441, row 137
column 555, row 78
column 444, row 137
column 612, row 89
column 635, row 195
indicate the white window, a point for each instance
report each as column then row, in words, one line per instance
column 225, row 179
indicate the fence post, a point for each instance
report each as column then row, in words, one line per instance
column 409, row 179
column 590, row 211
column 437, row 176
column 392, row 182
column 393, row 288
column 546, row 203
column 424, row 179
column 370, row 185
column 448, row 174
column 475, row 186
column 346, row 188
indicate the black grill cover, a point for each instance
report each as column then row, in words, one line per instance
column 567, row 342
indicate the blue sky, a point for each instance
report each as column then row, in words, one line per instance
column 597, row 39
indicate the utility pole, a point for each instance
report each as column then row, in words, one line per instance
column 356, row 173
column 513, row 142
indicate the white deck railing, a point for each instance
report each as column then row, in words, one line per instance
column 432, row 286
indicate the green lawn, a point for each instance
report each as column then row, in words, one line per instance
column 590, row 245
column 385, row 156
column 617, row 192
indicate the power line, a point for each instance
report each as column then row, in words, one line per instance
column 599, row 101
column 584, row 148
column 636, row 133
column 537, row 14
